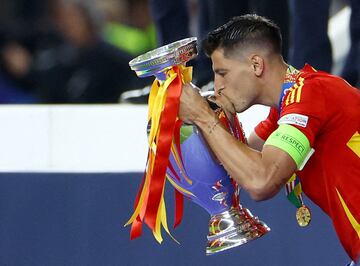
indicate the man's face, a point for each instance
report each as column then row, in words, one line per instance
column 235, row 82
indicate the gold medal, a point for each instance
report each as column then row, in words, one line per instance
column 303, row 216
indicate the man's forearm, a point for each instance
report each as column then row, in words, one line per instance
column 241, row 162
column 261, row 174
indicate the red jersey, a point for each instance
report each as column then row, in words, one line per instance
column 329, row 112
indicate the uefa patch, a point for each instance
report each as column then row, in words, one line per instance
column 294, row 119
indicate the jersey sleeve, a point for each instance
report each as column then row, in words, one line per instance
column 304, row 108
column 267, row 126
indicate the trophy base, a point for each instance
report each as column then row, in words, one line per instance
column 233, row 228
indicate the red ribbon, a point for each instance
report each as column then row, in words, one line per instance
column 179, row 198
column 179, row 208
column 136, row 226
column 237, row 131
column 163, row 147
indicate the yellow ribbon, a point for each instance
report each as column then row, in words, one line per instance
column 156, row 104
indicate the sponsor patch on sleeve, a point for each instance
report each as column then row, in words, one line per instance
column 294, row 119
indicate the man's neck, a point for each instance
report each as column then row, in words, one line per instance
column 274, row 81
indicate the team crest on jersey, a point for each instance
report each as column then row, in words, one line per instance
column 294, row 119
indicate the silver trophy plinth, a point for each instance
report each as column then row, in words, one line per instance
column 198, row 175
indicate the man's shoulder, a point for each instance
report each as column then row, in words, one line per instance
column 322, row 85
column 307, row 87
column 317, row 78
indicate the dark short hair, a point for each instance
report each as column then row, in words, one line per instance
column 244, row 31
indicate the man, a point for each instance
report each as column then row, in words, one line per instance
column 315, row 123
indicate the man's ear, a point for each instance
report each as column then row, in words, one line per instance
column 257, row 64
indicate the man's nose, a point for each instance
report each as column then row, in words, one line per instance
column 218, row 85
column 218, row 88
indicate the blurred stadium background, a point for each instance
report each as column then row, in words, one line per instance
column 72, row 154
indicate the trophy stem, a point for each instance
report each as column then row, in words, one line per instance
column 233, row 228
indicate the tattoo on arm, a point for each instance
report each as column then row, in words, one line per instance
column 212, row 126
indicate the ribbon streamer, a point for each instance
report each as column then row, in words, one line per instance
column 163, row 106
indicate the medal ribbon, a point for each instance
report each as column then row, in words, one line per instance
column 293, row 191
column 293, row 188
column 164, row 100
column 237, row 131
column 289, row 81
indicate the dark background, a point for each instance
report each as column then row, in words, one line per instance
column 77, row 219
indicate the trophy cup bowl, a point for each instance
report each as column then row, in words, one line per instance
column 194, row 171
column 157, row 61
column 204, row 181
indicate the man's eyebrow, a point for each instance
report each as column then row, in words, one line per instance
column 218, row 70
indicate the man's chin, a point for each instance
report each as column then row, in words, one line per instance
column 242, row 108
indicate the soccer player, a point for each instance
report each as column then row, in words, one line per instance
column 313, row 128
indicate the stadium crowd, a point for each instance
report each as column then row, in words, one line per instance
column 77, row 51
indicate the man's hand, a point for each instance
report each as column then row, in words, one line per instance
column 193, row 107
